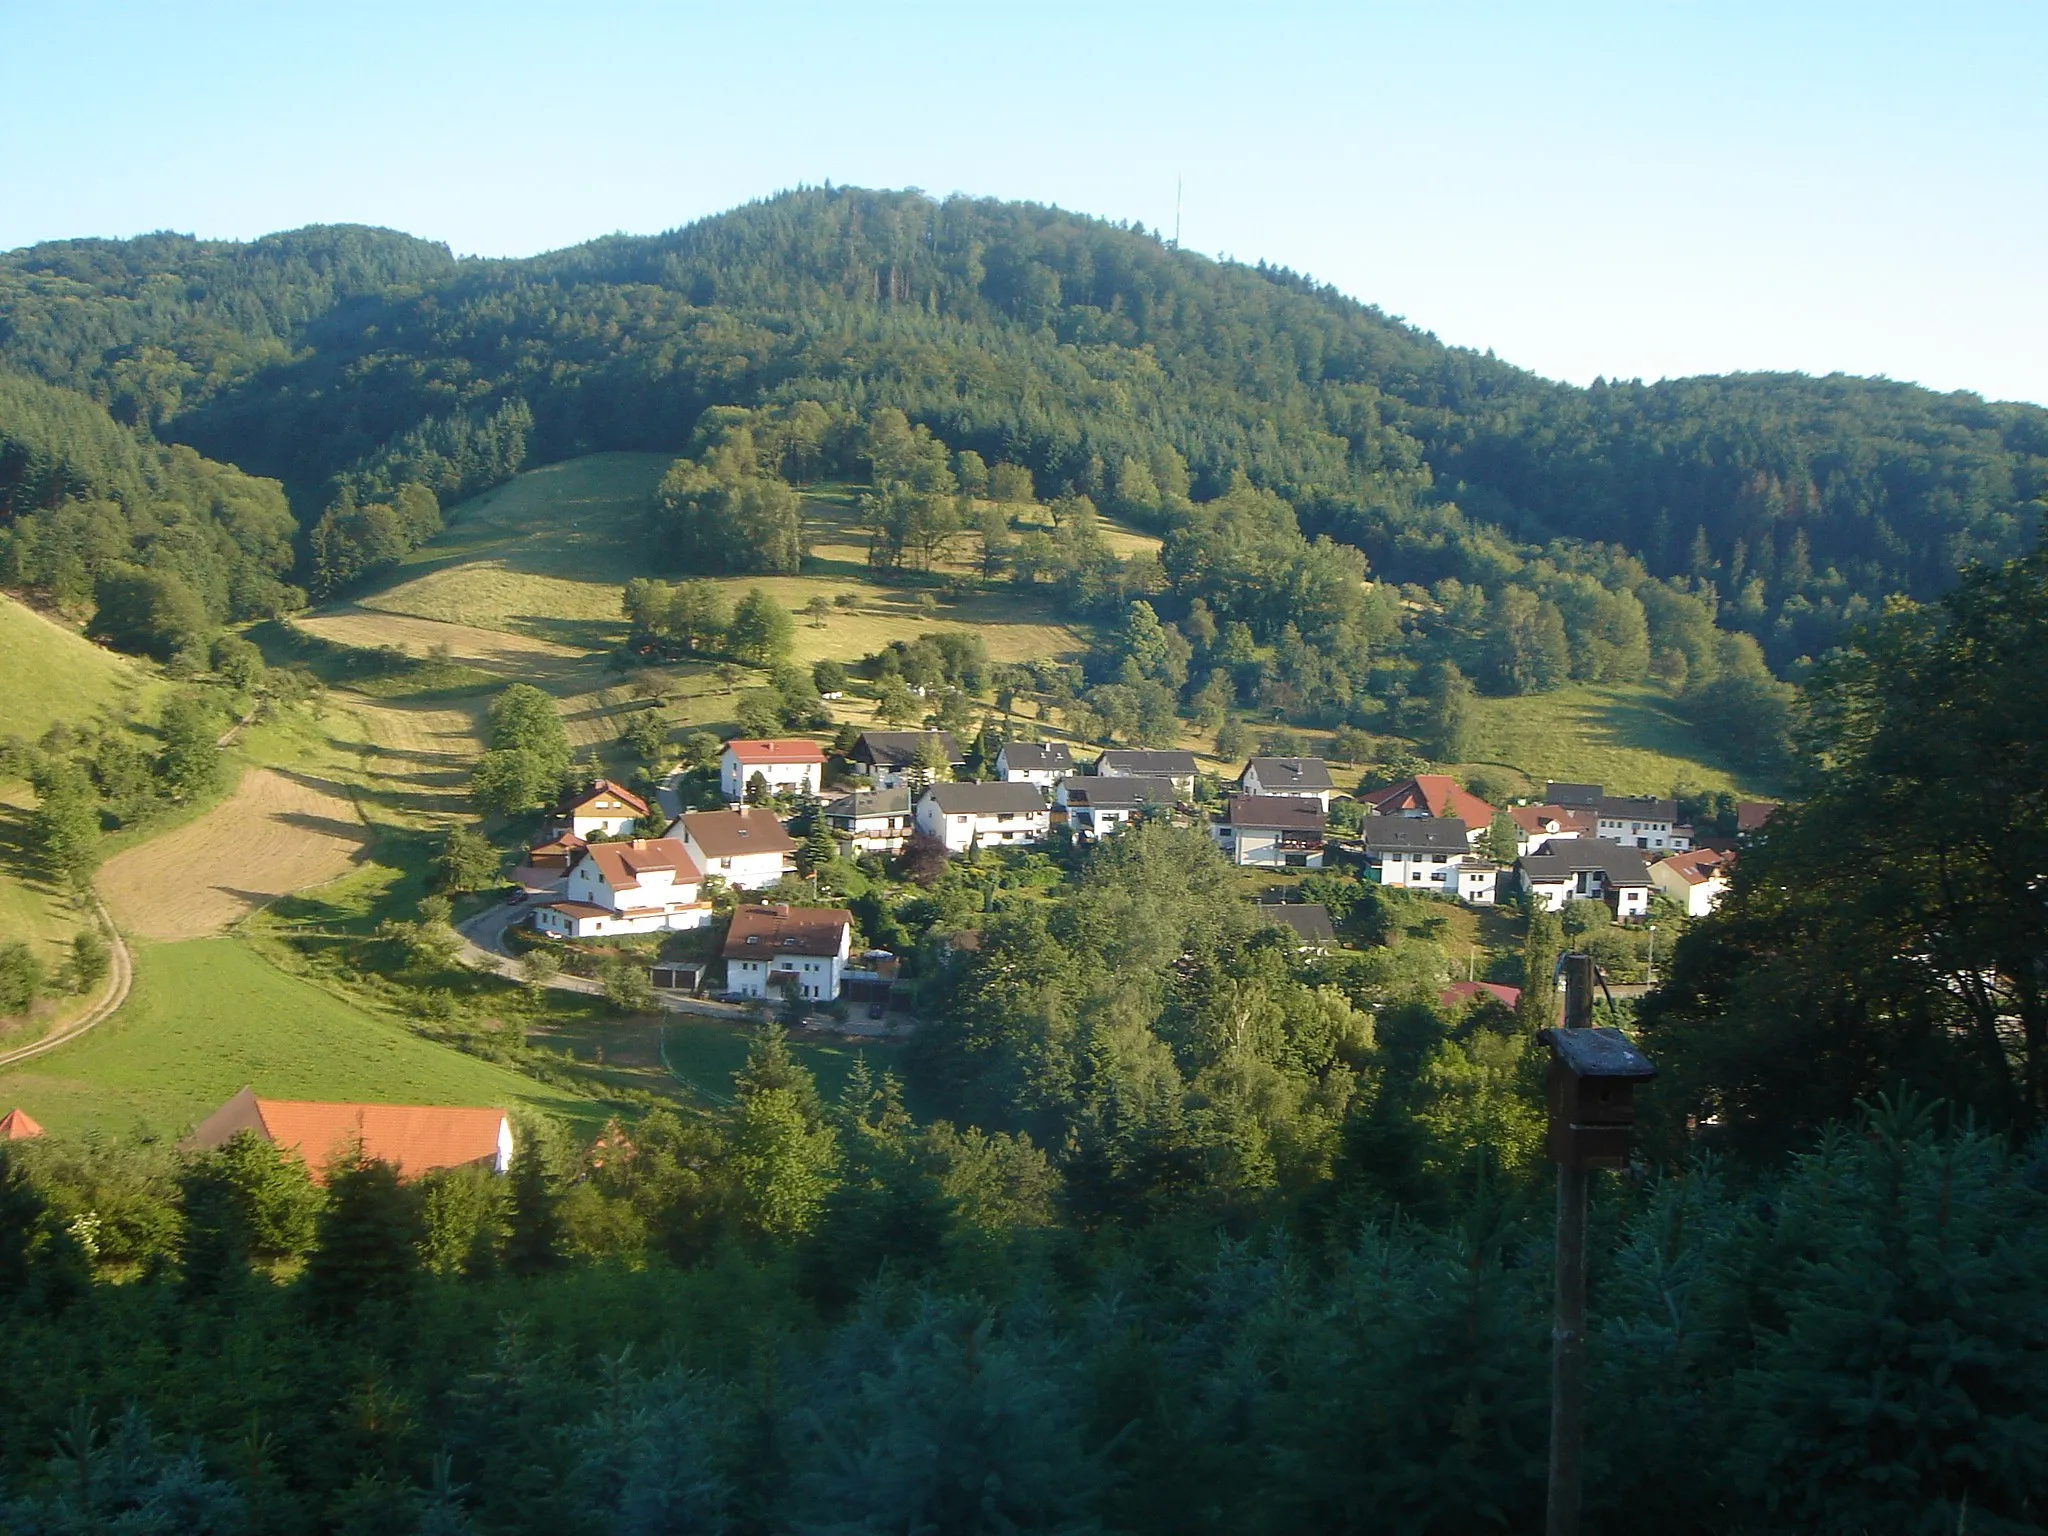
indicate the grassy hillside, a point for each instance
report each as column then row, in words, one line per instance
column 53, row 673
column 208, row 1017
column 545, row 555
column 1627, row 738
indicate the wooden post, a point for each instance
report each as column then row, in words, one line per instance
column 1568, row 1319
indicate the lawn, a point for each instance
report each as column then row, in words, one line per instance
column 1628, row 738
column 209, row 1017
column 693, row 1058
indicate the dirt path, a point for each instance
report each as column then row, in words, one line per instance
column 120, row 977
column 277, row 833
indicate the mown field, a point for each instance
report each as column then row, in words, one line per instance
column 208, row 1017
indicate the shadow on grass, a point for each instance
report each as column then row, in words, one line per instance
column 1650, row 724
column 578, row 634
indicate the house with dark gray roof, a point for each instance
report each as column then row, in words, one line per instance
column 1587, row 869
column 1130, row 764
column 1043, row 763
column 1416, row 853
column 1309, row 921
column 871, row 820
column 1096, row 807
column 988, row 815
column 1640, row 821
column 1308, row 777
column 887, row 758
column 1280, row 831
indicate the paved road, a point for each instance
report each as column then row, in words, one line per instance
column 484, row 949
column 120, row 977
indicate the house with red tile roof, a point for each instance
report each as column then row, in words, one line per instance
column 1696, row 880
column 1750, row 815
column 16, row 1125
column 1460, row 995
column 788, row 765
column 1536, row 825
column 647, row 885
column 604, row 807
column 1432, row 794
column 773, row 950
column 415, row 1139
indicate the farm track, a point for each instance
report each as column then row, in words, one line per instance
column 120, row 978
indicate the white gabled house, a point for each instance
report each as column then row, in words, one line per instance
column 1272, row 831
column 647, row 885
column 1588, row 869
column 871, row 820
column 773, row 951
column 1696, row 880
column 1308, row 777
column 746, row 848
column 604, row 807
column 788, row 765
column 1096, row 807
column 1177, row 766
column 1636, row 821
column 988, row 815
column 1043, row 763
column 1416, row 853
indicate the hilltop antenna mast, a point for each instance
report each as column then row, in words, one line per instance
column 1176, row 212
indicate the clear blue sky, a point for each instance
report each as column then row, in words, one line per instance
column 1643, row 189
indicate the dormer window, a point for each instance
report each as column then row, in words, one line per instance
column 753, row 938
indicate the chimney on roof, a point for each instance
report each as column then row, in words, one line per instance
column 782, row 909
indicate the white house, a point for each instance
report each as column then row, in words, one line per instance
column 604, row 807
column 643, row 886
column 1272, row 831
column 1179, row 767
column 871, row 820
column 787, row 765
column 991, row 815
column 1588, row 869
column 746, row 848
column 1638, row 821
column 772, row 950
column 1432, row 794
column 1536, row 825
column 1043, row 763
column 1416, row 853
column 1097, row 807
column 1308, row 777
column 887, row 759
column 1696, row 880
column 1479, row 882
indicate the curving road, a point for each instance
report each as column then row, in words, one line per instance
column 120, row 977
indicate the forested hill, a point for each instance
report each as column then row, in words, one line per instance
column 350, row 360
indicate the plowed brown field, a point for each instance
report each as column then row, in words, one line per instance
column 276, row 834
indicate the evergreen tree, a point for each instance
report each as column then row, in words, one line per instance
column 533, row 1242
column 366, row 1241
column 1541, row 945
column 66, row 823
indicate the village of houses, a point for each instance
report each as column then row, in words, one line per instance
column 593, row 875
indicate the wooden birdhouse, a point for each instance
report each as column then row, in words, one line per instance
column 1593, row 1074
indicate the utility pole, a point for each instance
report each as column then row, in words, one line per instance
column 1568, row 1319
column 1651, row 974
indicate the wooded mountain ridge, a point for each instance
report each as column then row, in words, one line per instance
column 345, row 361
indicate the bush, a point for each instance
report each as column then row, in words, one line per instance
column 21, row 978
